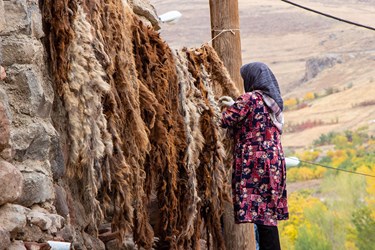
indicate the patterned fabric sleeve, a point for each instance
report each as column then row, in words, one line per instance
column 238, row 111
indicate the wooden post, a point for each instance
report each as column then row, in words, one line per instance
column 226, row 41
column 225, row 25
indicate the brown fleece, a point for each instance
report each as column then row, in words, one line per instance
column 213, row 181
column 57, row 18
column 222, row 85
column 156, row 69
column 138, row 119
column 78, row 79
column 112, row 21
column 221, row 81
column 191, row 100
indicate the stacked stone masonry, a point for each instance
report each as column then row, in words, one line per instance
column 33, row 201
column 28, row 141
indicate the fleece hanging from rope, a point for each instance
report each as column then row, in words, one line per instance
column 79, row 81
column 192, row 104
column 156, row 68
column 86, row 58
column 113, row 20
column 139, row 119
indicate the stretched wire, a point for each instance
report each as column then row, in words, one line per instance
column 330, row 16
column 329, row 167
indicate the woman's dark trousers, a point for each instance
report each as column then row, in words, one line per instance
column 268, row 237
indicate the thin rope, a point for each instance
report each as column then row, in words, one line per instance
column 223, row 31
column 330, row 16
column 337, row 169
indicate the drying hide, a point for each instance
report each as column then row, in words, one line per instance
column 57, row 25
column 78, row 78
column 191, row 103
column 106, row 153
column 221, row 81
column 156, row 69
column 222, row 85
column 112, row 21
column 211, row 171
column 87, row 125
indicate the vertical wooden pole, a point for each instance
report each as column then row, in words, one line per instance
column 224, row 16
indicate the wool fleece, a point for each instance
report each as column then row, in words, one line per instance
column 222, row 85
column 78, row 78
column 57, row 25
column 212, row 80
column 89, row 136
column 191, row 104
column 210, row 172
column 137, row 119
column 156, row 68
column 125, row 186
column 124, row 143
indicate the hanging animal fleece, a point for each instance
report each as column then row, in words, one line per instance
column 140, row 126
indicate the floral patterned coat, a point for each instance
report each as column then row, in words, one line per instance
column 259, row 173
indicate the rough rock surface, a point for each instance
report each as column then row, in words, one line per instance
column 11, row 182
column 17, row 245
column 13, row 217
column 146, row 11
column 4, row 128
column 29, row 144
column 4, row 239
column 2, row 17
column 61, row 201
column 317, row 64
column 37, row 188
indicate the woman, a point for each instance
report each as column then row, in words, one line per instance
column 259, row 175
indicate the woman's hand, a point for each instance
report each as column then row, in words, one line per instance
column 225, row 101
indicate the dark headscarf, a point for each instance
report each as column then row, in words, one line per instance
column 257, row 76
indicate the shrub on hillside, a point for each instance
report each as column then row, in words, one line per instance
column 309, row 96
column 365, row 225
column 298, row 127
column 364, row 104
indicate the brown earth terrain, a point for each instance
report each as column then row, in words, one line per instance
column 308, row 53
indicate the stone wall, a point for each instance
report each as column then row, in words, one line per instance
column 146, row 12
column 33, row 200
column 30, row 154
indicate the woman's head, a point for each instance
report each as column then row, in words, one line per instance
column 257, row 76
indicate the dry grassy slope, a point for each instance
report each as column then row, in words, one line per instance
column 286, row 37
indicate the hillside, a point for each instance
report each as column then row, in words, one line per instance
column 307, row 52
